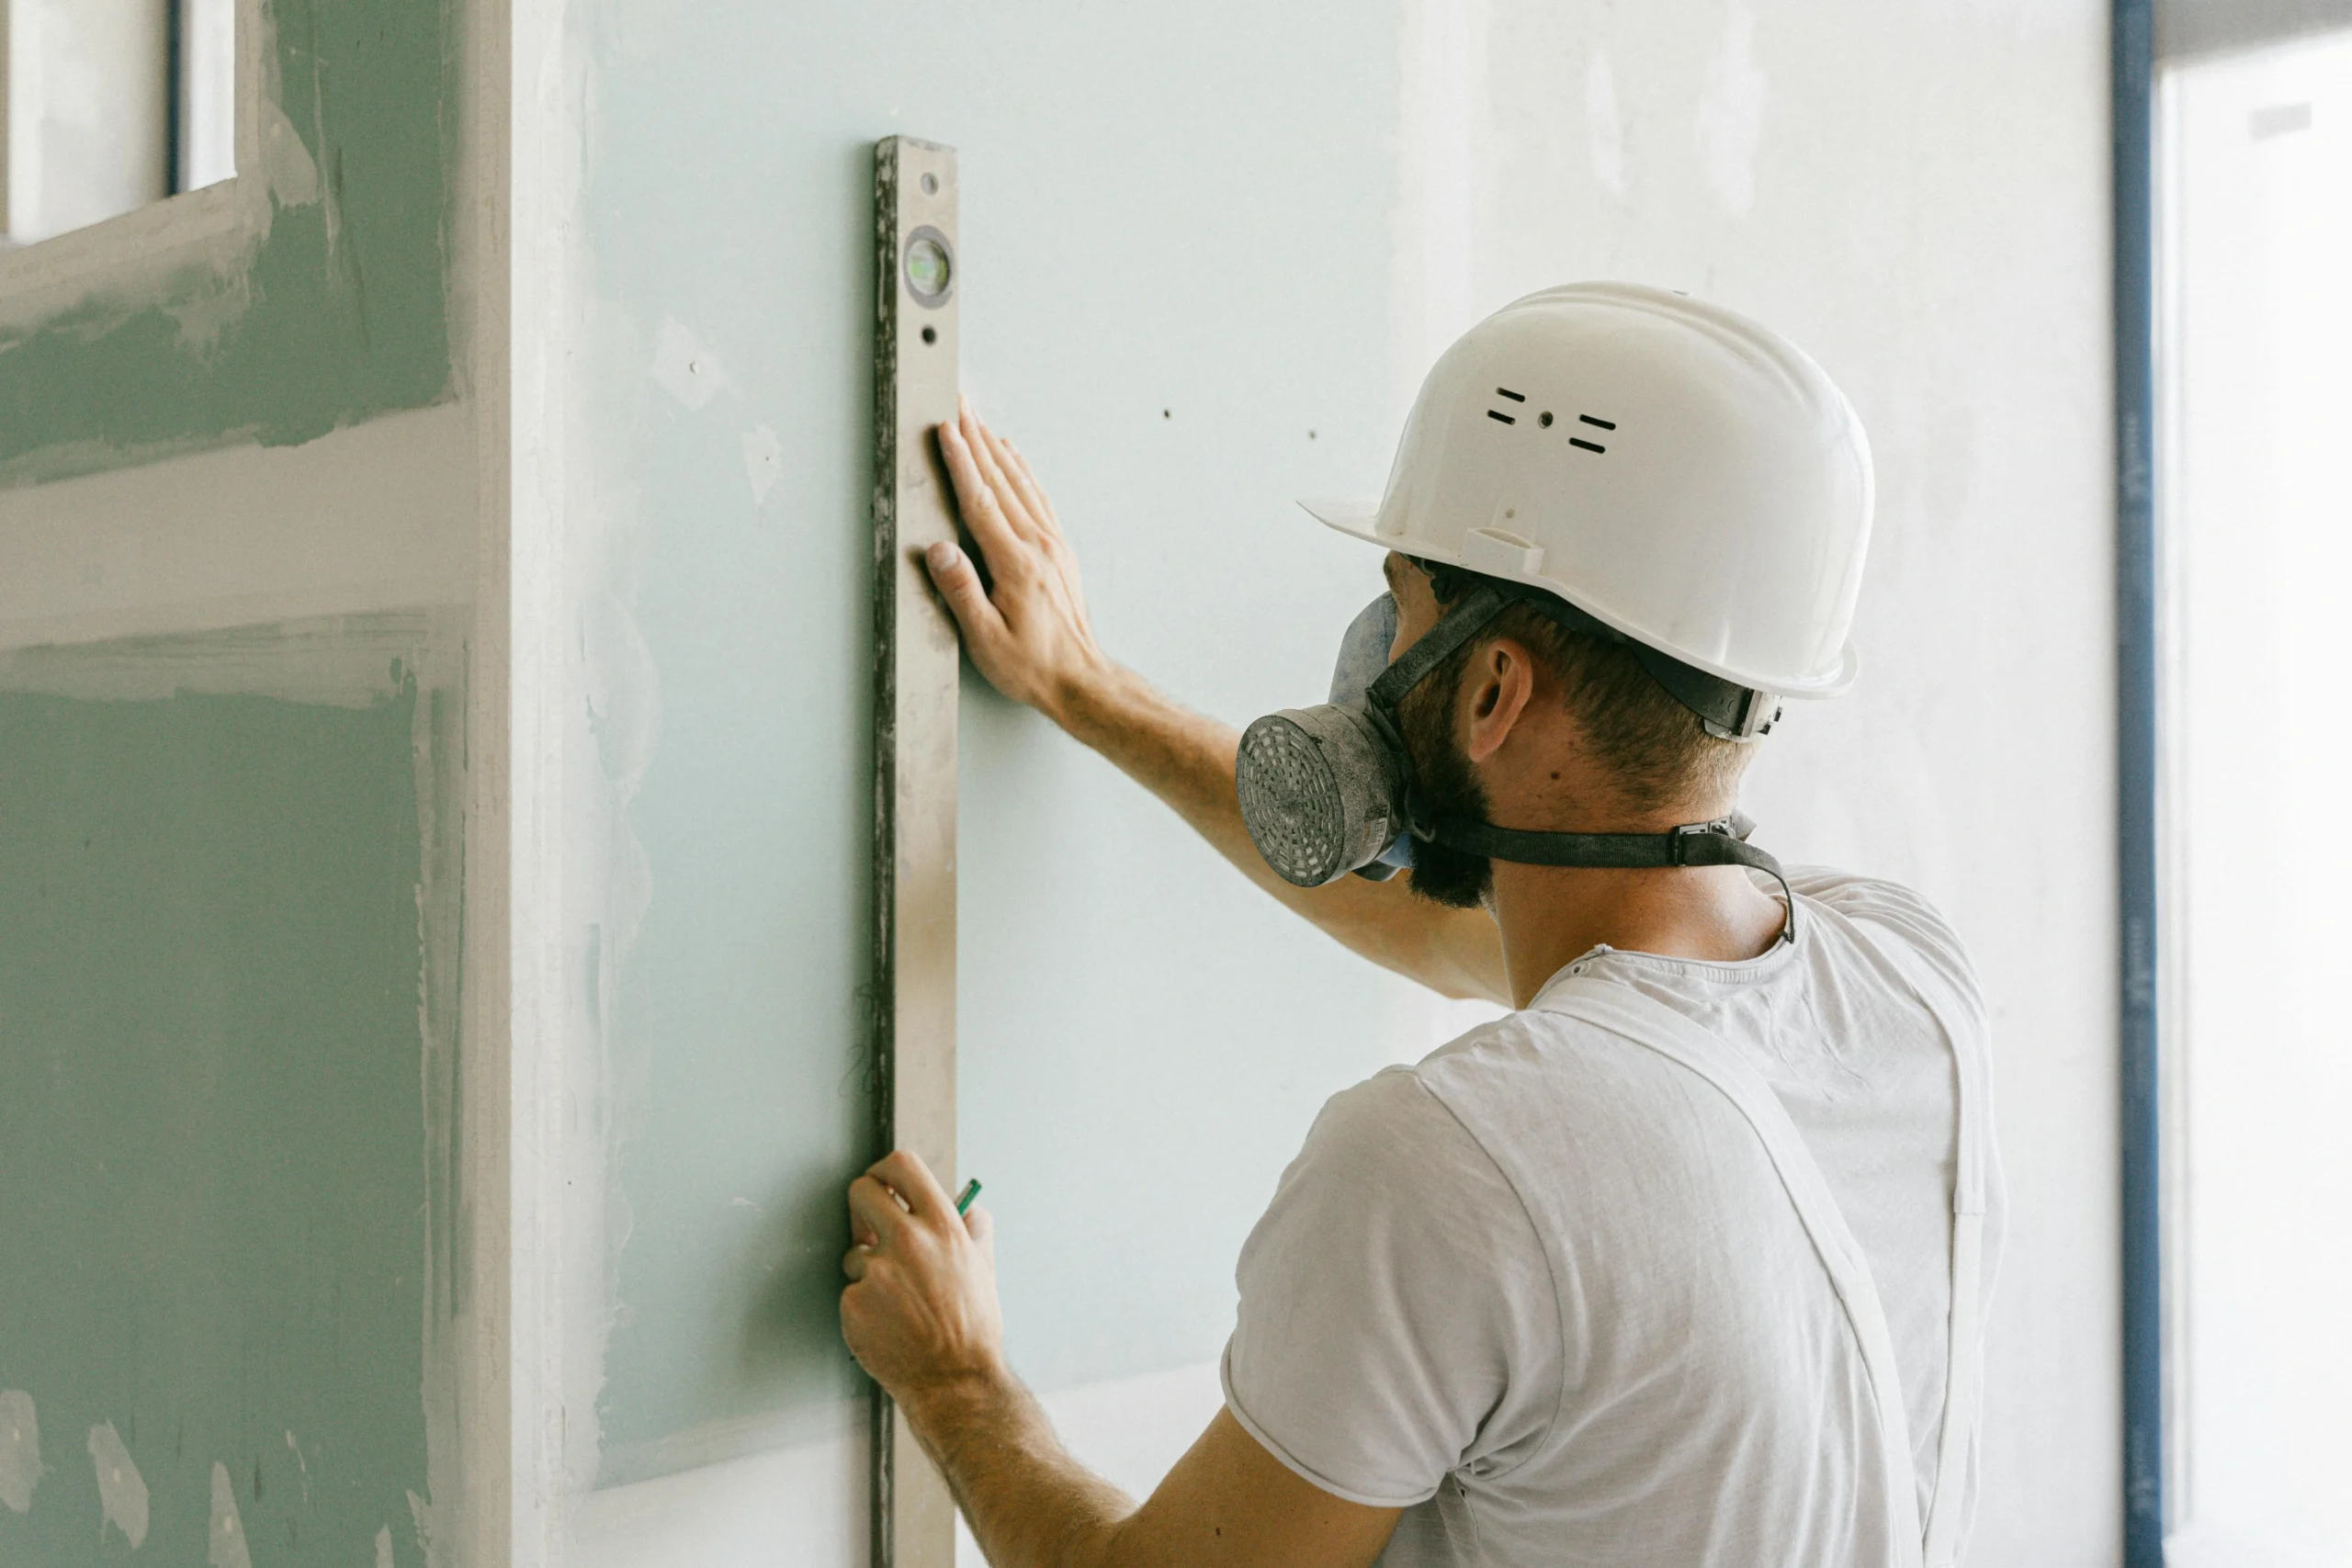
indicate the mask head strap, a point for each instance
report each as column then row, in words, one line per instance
column 1723, row 841
column 1465, row 620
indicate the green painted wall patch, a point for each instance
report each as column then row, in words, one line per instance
column 214, row 1141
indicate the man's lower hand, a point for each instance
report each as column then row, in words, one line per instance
column 920, row 1310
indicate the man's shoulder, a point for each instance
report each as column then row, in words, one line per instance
column 1450, row 1109
column 1875, row 898
column 1569, row 1075
column 1898, row 924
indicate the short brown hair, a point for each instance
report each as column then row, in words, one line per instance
column 1655, row 749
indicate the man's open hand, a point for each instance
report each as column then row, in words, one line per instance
column 920, row 1310
column 1027, row 632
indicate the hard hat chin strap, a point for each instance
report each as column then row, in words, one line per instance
column 1723, row 841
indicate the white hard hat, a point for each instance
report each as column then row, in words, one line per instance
column 1679, row 473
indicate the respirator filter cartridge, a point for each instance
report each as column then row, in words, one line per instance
column 1320, row 793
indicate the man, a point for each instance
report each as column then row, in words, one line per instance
column 1683, row 1262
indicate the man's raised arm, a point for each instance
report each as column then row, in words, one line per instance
column 1028, row 634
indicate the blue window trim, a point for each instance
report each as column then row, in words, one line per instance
column 2133, row 66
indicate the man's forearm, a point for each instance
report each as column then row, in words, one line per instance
column 1184, row 758
column 1029, row 1503
column 1187, row 760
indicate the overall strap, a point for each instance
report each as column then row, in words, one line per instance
column 1652, row 1024
column 1964, row 1363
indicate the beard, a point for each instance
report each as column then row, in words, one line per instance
column 1450, row 791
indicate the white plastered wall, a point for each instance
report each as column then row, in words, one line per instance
column 1918, row 195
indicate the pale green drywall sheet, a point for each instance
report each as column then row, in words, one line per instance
column 1176, row 224
column 342, row 312
column 213, row 1154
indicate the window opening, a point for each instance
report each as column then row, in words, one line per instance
column 2255, row 243
column 109, row 104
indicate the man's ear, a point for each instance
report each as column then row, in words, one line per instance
column 1501, row 682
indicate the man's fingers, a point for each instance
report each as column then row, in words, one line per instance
column 958, row 581
column 976, row 436
column 1001, row 543
column 1023, row 483
column 907, row 1176
column 876, row 1207
column 982, row 1224
column 854, row 1261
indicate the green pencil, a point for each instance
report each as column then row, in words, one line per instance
column 964, row 1199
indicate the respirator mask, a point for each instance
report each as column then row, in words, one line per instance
column 1328, row 790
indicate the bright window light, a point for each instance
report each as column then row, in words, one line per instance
column 107, row 105
column 2257, row 258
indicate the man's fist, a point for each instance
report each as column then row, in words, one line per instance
column 920, row 1310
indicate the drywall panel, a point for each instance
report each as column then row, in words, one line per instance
column 1183, row 351
column 225, row 1080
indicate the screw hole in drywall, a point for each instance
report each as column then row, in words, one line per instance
column 1165, row 414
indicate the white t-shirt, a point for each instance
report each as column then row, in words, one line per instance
column 1544, row 1290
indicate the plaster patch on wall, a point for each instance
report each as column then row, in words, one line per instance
column 228, row 1533
column 763, row 460
column 623, row 691
column 384, row 1548
column 685, row 369
column 1731, row 113
column 203, row 318
column 122, row 1491
column 353, row 661
column 20, row 1466
column 1604, row 127
column 292, row 172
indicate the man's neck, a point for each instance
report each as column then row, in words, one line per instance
column 1549, row 915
